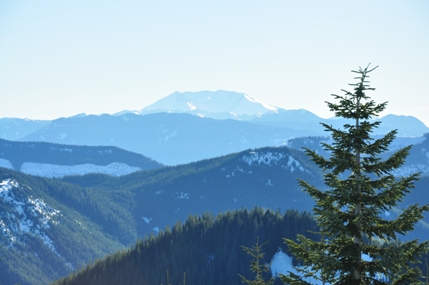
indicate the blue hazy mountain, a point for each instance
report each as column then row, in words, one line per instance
column 170, row 138
column 59, row 160
column 15, row 129
column 191, row 126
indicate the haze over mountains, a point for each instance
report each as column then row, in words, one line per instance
column 185, row 127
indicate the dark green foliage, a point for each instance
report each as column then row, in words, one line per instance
column 361, row 188
column 208, row 249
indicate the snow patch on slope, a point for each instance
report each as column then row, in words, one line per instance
column 411, row 169
column 266, row 158
column 58, row 171
column 282, row 264
column 191, row 106
column 29, row 216
column 269, row 158
column 266, row 106
column 5, row 163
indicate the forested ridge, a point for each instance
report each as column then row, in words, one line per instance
column 205, row 249
column 98, row 214
column 120, row 210
column 18, row 153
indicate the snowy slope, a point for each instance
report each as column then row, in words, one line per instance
column 59, row 171
column 41, row 237
column 32, row 216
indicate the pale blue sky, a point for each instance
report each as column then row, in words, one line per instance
column 60, row 58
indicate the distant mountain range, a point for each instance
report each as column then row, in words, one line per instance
column 15, row 129
column 186, row 127
column 168, row 138
column 58, row 160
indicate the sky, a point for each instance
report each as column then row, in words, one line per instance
column 62, row 58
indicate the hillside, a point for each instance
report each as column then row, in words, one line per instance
column 58, row 160
column 264, row 177
column 43, row 236
column 203, row 250
column 123, row 209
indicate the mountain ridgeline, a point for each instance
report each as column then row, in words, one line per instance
column 168, row 138
column 190, row 126
column 53, row 160
column 203, row 250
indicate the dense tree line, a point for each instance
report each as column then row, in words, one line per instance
column 207, row 249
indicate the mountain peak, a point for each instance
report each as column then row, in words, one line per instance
column 206, row 103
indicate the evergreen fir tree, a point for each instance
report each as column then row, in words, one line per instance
column 255, row 266
column 360, row 188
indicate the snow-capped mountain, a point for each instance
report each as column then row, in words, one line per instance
column 240, row 106
column 211, row 104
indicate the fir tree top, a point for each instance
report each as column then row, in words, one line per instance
column 361, row 187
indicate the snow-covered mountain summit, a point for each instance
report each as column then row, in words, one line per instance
column 214, row 104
